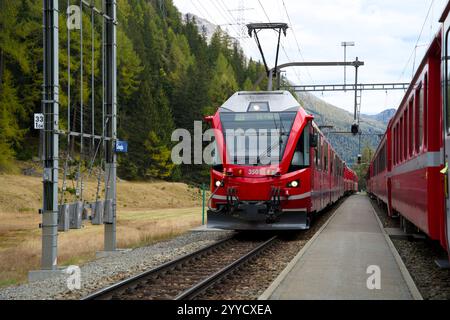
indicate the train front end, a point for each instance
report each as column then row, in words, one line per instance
column 261, row 178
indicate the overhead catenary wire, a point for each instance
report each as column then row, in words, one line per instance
column 417, row 42
column 282, row 46
column 235, row 22
column 202, row 12
column 296, row 39
column 230, row 23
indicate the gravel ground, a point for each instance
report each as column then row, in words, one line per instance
column 251, row 281
column 107, row 271
column 419, row 257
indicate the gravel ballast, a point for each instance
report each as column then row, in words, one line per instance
column 103, row 272
column 251, row 281
column 419, row 256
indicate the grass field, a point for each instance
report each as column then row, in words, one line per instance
column 147, row 212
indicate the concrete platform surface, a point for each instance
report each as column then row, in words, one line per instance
column 344, row 260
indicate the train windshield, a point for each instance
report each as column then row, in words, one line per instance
column 257, row 138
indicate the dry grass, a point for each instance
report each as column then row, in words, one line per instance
column 147, row 212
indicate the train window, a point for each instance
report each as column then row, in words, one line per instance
column 301, row 158
column 400, row 132
column 325, row 157
column 258, row 107
column 319, row 153
column 425, row 110
column 394, row 145
column 420, row 124
column 331, row 163
column 447, row 82
column 316, row 151
column 411, row 127
column 216, row 160
column 398, row 142
column 405, row 135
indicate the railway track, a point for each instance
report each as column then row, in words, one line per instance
column 189, row 276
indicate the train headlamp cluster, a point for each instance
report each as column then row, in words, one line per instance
column 294, row 184
column 219, row 183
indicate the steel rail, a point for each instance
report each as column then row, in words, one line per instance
column 201, row 287
column 108, row 292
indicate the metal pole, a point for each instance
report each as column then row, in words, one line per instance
column 278, row 53
column 80, row 175
column 270, row 83
column 50, row 137
column 345, row 67
column 345, row 45
column 111, row 118
column 278, row 80
column 93, row 79
column 356, row 89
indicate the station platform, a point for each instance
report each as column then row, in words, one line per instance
column 340, row 260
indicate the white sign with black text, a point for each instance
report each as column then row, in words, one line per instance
column 39, row 121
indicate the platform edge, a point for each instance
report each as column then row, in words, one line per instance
column 415, row 293
column 276, row 283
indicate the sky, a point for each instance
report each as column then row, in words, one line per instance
column 391, row 37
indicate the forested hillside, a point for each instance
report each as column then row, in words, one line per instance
column 168, row 77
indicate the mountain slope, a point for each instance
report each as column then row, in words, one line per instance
column 384, row 116
column 346, row 145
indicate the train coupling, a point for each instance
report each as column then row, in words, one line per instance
column 274, row 205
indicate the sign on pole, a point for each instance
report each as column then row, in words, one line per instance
column 121, row 146
column 39, row 121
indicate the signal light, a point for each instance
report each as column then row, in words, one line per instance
column 355, row 129
column 359, row 159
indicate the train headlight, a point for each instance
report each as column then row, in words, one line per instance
column 294, row 184
column 218, row 183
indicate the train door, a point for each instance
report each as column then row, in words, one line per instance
column 446, row 113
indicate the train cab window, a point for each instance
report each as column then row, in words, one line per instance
column 256, row 137
column 301, row 158
column 216, row 160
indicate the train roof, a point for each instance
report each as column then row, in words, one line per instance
column 278, row 101
column 445, row 13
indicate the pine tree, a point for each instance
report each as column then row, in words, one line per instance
column 10, row 134
column 160, row 165
column 223, row 84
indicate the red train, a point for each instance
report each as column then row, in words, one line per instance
column 275, row 169
column 409, row 172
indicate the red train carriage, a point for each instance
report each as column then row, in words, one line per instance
column 350, row 181
column 379, row 169
column 409, row 172
column 251, row 193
